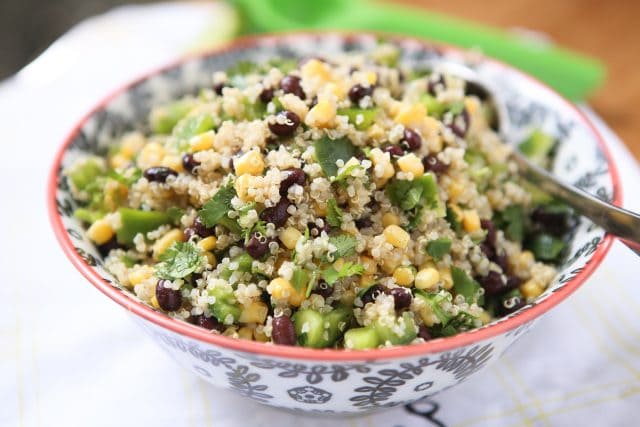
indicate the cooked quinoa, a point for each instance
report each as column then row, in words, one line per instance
column 343, row 202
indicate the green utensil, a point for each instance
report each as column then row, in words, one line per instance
column 571, row 74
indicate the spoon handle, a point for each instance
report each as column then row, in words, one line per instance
column 620, row 222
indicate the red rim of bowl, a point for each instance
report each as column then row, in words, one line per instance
column 197, row 333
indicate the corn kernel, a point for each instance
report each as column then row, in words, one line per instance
column 338, row 89
column 369, row 264
column 319, row 209
column 173, row 162
column 427, row 278
column 471, row 105
column 525, row 260
column 202, row 142
column 208, row 243
column 389, row 265
column 410, row 163
column 396, row 236
column 322, row 115
column 150, row 155
column 245, row 333
column 118, row 161
column 447, row 280
column 531, row 289
column 403, row 276
column 471, row 220
column 315, row 69
column 485, row 317
column 154, row 302
column 242, row 185
column 383, row 168
column 163, row 243
column 366, row 280
column 281, row 288
column 211, row 259
column 455, row 189
column 411, row 115
column 139, row 274
column 289, row 237
column 131, row 145
column 250, row 163
column 255, row 312
column 390, row 219
column 100, row 231
column 294, row 104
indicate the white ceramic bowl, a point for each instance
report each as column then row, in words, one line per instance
column 333, row 380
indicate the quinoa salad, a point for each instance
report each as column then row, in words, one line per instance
column 342, row 202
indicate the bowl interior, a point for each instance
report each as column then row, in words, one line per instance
column 581, row 157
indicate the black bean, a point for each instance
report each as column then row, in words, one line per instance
column 314, row 101
column 277, row 214
column 201, row 229
column 159, row 174
column 555, row 223
column 189, row 232
column 266, row 95
column 411, row 139
column 283, row 332
column 291, row 84
column 401, row 298
column 294, row 176
column 372, row 293
column 433, row 164
column 423, row 332
column 358, row 91
column 105, row 248
column 363, row 222
column 168, row 299
column 285, row 124
column 189, row 163
column 493, row 283
column 210, row 323
column 217, row 88
column 323, row 288
column 460, row 124
column 488, row 225
column 511, row 303
column 394, row 150
column 435, row 83
column 266, row 299
column 487, row 250
column 513, row 282
column 257, row 246
column 502, row 260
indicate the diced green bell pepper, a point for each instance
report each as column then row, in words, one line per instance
column 137, row 221
column 545, row 247
column 164, row 119
column 245, row 262
column 537, row 147
column 85, row 173
column 361, row 118
column 387, row 334
column 434, row 107
column 309, row 326
column 361, row 338
column 224, row 306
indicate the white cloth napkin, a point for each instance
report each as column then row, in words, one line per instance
column 70, row 357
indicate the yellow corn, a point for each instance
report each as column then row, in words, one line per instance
column 403, row 276
column 163, row 243
column 389, row 265
column 319, row 209
column 246, row 333
column 366, row 280
column 322, row 115
column 381, row 161
column 131, row 145
column 208, row 243
column 396, row 236
column 154, row 302
column 447, row 280
column 485, row 317
column 427, row 278
column 390, row 219
column 289, row 237
column 139, row 274
column 250, row 163
column 370, row 266
column 202, row 142
column 410, row 163
column 471, row 220
column 173, row 162
column 531, row 289
column 119, row 161
column 281, row 288
column 255, row 312
column 242, row 185
column 455, row 189
column 315, row 69
column 150, row 155
column 100, row 231
column 411, row 115
column 211, row 259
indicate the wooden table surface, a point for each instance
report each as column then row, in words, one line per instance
column 606, row 29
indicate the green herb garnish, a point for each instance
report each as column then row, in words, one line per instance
column 414, row 196
column 345, row 245
column 329, row 151
column 438, row 248
column 334, row 213
column 179, row 260
column 215, row 211
column 511, row 220
column 465, row 285
column 299, row 279
column 348, row 269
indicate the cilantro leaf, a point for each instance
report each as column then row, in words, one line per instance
column 346, row 173
column 328, row 151
column 334, row 213
column 215, row 211
column 439, row 247
column 175, row 213
column 178, row 261
column 465, row 285
column 511, row 220
column 345, row 245
column 331, row 275
column 414, row 196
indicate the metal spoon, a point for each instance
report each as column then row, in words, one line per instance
column 623, row 224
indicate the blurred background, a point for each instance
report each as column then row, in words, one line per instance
column 607, row 30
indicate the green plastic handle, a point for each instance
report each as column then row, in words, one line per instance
column 571, row 74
